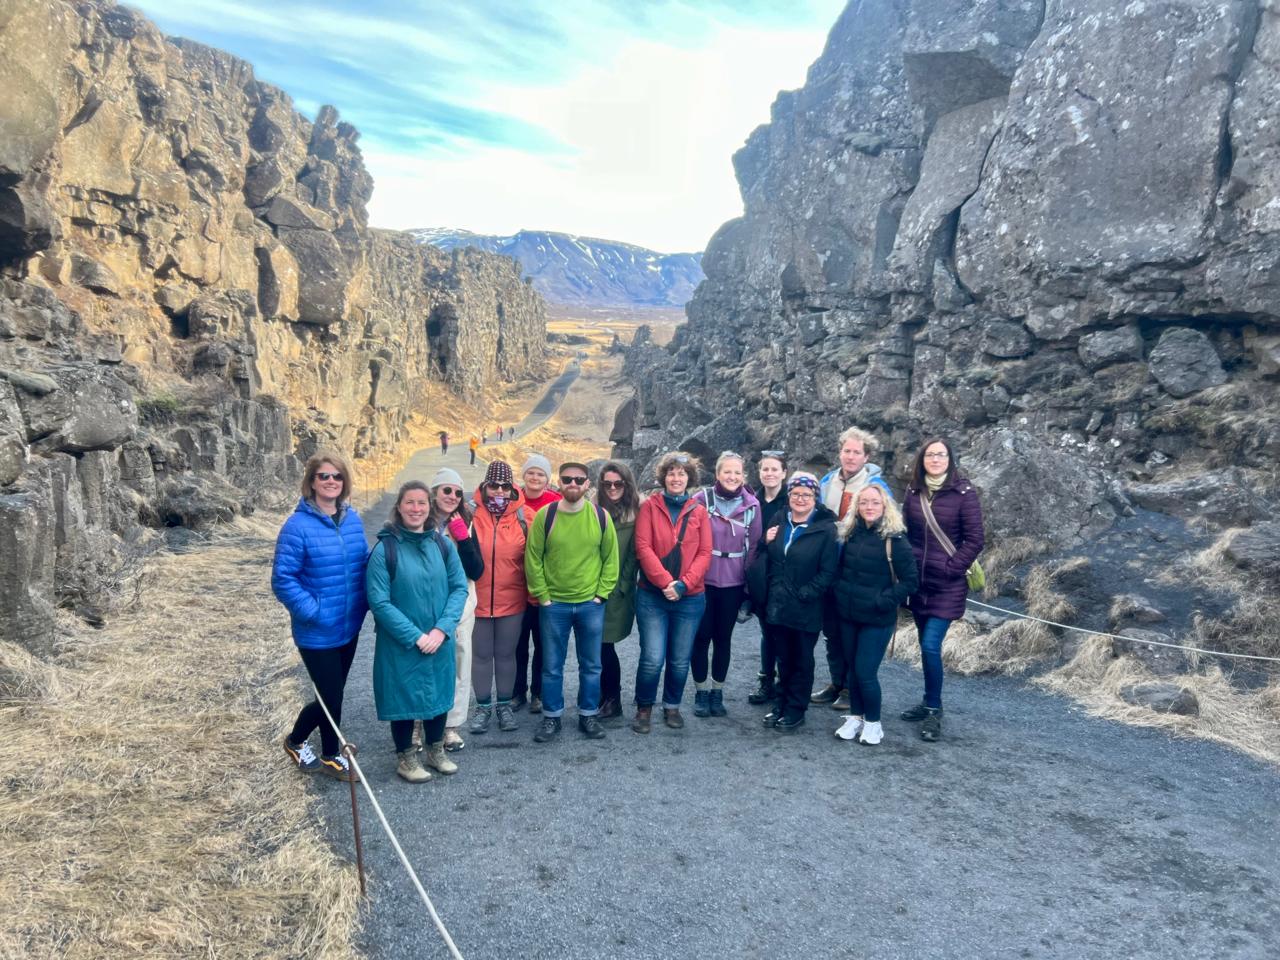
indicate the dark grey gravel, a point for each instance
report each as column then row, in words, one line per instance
column 1031, row 830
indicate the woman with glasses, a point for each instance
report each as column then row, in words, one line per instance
column 772, row 472
column 451, row 516
column 617, row 494
column 794, row 571
column 500, row 530
column 417, row 592
column 944, row 525
column 673, row 549
column 318, row 574
column 735, row 536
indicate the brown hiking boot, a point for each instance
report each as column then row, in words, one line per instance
column 643, row 721
column 410, row 767
column 671, row 717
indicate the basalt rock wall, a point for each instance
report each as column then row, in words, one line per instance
column 191, row 300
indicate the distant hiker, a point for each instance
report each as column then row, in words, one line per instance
column 773, row 498
column 484, row 438
column 673, row 548
column 735, row 537
column 474, row 445
column 318, row 574
column 839, row 487
column 501, row 527
column 452, row 517
column 617, row 493
column 417, row 592
column 536, row 476
column 944, row 525
column 571, row 563
column 444, row 442
column 511, row 432
column 789, row 579
column 499, row 433
column 877, row 573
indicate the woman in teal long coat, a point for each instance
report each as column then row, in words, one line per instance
column 417, row 591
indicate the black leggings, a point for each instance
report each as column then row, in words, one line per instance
column 531, row 629
column 432, row 732
column 716, row 626
column 610, row 673
column 493, row 655
column 328, row 670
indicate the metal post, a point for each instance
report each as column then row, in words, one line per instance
column 349, row 749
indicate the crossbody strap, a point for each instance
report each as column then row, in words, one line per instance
column 888, row 555
column 943, row 539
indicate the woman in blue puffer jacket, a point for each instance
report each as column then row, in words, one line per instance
column 318, row 574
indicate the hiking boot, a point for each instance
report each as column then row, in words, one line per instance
column 506, row 719
column 609, row 709
column 850, row 729
column 338, row 768
column 303, row 757
column 643, row 720
column 789, row 724
column 872, row 733
column 716, row 704
column 453, row 741
column 590, row 727
column 702, row 703
column 548, row 729
column 931, row 729
column 410, row 767
column 918, row 712
column 764, row 692
column 435, row 758
column 827, row 694
column 416, row 740
column 535, row 704
column 841, row 702
column 772, row 717
column 519, row 702
column 480, row 721
column 671, row 717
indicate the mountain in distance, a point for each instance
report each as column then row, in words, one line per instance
column 584, row 271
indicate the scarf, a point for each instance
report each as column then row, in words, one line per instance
column 674, row 503
column 934, row 484
column 496, row 505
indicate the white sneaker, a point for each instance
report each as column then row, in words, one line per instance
column 852, row 725
column 872, row 733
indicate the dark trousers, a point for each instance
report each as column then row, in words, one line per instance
column 610, row 673
column 795, row 670
column 864, row 647
column 432, row 732
column 768, row 649
column 715, row 630
column 835, row 644
column 531, row 629
column 473, row 456
column 328, row 670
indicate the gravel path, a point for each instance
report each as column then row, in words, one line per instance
column 1031, row 831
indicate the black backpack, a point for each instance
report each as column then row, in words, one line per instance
column 551, row 517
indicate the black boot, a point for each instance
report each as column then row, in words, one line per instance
column 716, row 704
column 702, row 703
column 916, row 713
column 931, row 729
column 764, row 692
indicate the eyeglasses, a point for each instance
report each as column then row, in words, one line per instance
column 937, row 456
column 498, row 486
column 450, row 491
column 325, row 475
column 773, row 453
column 613, row 484
column 576, row 481
column 802, row 494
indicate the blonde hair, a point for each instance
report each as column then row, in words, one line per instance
column 868, row 441
column 891, row 524
column 314, row 462
column 726, row 457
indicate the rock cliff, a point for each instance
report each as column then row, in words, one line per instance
column 1048, row 229
column 191, row 299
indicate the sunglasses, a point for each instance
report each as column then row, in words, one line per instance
column 325, row 475
column 773, row 453
column 731, row 453
column 680, row 458
column 498, row 486
column 450, row 491
column 613, row 484
column 576, row 481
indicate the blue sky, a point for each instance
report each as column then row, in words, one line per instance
column 600, row 117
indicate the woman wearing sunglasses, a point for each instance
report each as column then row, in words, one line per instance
column 450, row 515
column 318, row 574
column 500, row 530
column 617, row 494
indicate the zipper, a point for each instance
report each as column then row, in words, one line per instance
column 493, row 573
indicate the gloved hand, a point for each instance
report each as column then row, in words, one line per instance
column 458, row 528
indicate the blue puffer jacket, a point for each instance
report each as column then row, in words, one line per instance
column 318, row 574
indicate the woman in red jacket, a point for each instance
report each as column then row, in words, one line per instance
column 673, row 547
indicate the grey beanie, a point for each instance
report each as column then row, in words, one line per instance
column 536, row 462
column 446, row 475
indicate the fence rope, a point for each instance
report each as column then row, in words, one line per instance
column 1114, row 636
column 377, row 808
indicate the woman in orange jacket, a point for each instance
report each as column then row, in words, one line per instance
column 501, row 526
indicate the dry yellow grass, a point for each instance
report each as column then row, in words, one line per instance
column 149, row 809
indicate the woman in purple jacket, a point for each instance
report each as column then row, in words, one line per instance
column 937, row 485
column 735, row 535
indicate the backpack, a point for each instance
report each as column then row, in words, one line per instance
column 709, row 498
column 551, row 517
column 390, row 548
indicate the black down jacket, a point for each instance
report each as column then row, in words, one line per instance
column 865, row 590
column 789, row 584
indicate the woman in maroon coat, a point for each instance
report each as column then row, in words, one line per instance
column 936, row 483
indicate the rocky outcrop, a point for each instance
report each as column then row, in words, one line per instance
column 191, row 299
column 1048, row 230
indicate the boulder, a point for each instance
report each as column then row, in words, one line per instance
column 1102, row 349
column 1257, row 548
column 1184, row 362
column 1142, row 646
column 1129, row 609
column 1005, row 340
column 277, row 282
column 324, row 276
column 91, row 409
column 1162, row 698
column 1221, row 496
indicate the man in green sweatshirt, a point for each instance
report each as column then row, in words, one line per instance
column 571, row 564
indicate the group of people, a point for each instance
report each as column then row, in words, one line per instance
column 467, row 591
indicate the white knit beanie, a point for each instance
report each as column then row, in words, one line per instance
column 536, row 462
column 446, row 475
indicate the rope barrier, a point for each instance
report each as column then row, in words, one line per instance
column 1113, row 636
column 404, row 860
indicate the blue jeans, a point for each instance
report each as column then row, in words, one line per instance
column 931, row 631
column 587, row 622
column 864, row 648
column 667, row 630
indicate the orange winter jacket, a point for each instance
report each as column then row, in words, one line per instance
column 501, row 589
column 656, row 535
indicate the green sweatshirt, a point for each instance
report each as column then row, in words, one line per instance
column 578, row 562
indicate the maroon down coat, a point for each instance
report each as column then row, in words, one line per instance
column 942, row 578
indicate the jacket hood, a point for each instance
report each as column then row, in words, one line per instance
column 306, row 506
column 873, row 470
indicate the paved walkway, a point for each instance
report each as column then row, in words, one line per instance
column 1031, row 831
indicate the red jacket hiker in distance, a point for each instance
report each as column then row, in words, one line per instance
column 656, row 535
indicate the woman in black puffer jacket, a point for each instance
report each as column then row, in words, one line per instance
column 877, row 573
